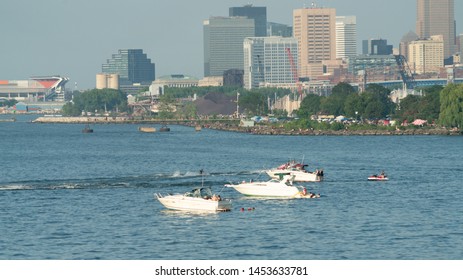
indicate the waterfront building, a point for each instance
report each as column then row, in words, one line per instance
column 279, row 29
column 223, row 43
column 39, row 88
column 427, row 55
column 376, row 47
column 346, row 36
column 267, row 60
column 437, row 17
column 172, row 81
column 315, row 30
column 107, row 81
column 258, row 14
column 132, row 66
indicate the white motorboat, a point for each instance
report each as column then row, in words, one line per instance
column 199, row 199
column 273, row 188
column 298, row 171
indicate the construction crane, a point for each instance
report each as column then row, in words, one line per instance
column 405, row 72
column 294, row 71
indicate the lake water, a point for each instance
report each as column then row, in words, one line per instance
column 69, row 195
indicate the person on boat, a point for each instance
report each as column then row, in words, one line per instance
column 304, row 191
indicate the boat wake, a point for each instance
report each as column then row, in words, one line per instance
column 162, row 180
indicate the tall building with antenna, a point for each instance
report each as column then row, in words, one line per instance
column 437, row 17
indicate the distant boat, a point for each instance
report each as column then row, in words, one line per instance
column 8, row 120
column 147, row 129
column 87, row 129
column 164, row 128
column 198, row 127
column 380, row 177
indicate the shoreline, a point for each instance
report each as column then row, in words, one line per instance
column 257, row 130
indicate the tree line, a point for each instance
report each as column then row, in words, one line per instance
column 437, row 104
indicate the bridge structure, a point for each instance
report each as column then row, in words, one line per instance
column 417, row 83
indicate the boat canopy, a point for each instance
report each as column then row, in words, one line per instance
column 200, row 192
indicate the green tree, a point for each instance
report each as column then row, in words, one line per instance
column 343, row 89
column 253, row 102
column 408, row 108
column 167, row 106
column 429, row 107
column 334, row 104
column 8, row 103
column 97, row 100
column 310, row 105
column 451, row 108
column 377, row 102
column 354, row 106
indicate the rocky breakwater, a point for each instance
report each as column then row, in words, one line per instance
column 269, row 130
column 89, row 120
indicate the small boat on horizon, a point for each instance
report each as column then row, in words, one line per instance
column 147, row 129
column 380, row 177
column 87, row 129
column 164, row 128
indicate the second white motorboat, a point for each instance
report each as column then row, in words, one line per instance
column 273, row 188
column 297, row 170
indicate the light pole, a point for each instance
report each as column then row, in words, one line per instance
column 237, row 105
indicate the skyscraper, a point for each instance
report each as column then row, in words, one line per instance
column 132, row 65
column 266, row 60
column 437, row 17
column 223, row 43
column 258, row 14
column 346, row 36
column 315, row 30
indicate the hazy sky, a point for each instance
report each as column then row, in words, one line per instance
column 73, row 38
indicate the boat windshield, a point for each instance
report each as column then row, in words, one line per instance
column 200, row 192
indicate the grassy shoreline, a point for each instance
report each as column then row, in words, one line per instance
column 258, row 129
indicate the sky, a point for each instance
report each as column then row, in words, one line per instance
column 73, row 38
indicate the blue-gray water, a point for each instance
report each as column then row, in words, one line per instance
column 69, row 195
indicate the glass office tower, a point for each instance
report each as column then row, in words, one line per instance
column 132, row 65
column 259, row 14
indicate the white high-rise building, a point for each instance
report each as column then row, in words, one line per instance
column 267, row 60
column 346, row 36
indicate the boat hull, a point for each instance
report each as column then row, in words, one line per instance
column 299, row 176
column 377, row 179
column 183, row 203
column 147, row 129
column 267, row 189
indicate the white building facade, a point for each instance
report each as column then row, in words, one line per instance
column 346, row 37
column 270, row 61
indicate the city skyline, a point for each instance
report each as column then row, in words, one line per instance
column 74, row 38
